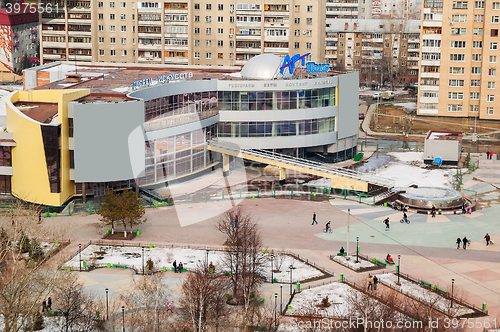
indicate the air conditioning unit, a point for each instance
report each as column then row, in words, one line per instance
column 231, row 10
column 231, row 35
column 304, row 32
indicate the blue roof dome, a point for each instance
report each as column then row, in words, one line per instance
column 264, row 67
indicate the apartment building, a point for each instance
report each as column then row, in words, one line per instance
column 195, row 32
column 379, row 49
column 458, row 68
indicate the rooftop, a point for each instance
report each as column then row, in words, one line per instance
column 41, row 112
column 444, row 135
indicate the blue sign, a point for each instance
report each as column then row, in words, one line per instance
column 290, row 62
column 161, row 79
column 312, row 67
column 137, row 84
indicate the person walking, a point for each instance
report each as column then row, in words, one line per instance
column 39, row 217
column 170, row 307
column 180, row 267
column 464, row 242
column 433, row 211
column 314, row 219
column 491, row 155
column 459, row 241
column 375, row 282
column 386, row 222
column 44, row 306
column 175, row 266
column 49, row 303
column 370, row 283
column 487, row 154
column 487, row 238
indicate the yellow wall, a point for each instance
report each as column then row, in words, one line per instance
column 30, row 180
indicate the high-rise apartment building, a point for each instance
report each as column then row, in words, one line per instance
column 190, row 32
column 459, row 54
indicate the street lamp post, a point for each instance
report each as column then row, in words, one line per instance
column 275, row 307
column 281, row 299
column 80, row 255
column 357, row 249
column 348, row 224
column 399, row 265
column 207, row 257
column 291, row 278
column 123, row 318
column 272, row 268
column 107, row 306
column 142, row 260
column 452, row 283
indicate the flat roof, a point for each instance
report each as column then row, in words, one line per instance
column 444, row 135
column 41, row 112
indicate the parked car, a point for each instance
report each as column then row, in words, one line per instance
column 361, row 116
column 377, row 95
column 387, row 95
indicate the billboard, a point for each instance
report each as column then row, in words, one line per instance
column 6, row 46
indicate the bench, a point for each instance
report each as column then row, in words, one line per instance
column 439, row 290
column 183, row 269
column 341, row 254
column 120, row 266
column 425, row 283
column 390, row 263
column 381, row 263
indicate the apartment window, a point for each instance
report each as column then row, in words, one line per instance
column 220, row 6
column 478, row 32
column 309, row 9
column 209, row 7
column 459, row 5
column 494, row 19
column 208, row 19
column 231, row 19
column 297, row 20
column 220, row 56
column 111, row 5
column 493, row 59
column 356, row 62
column 496, row 5
column 133, row 17
column 113, row 52
column 494, row 33
column 124, row 41
column 197, row 7
column 123, row 17
column 456, row 83
column 493, row 46
column 100, row 4
column 101, row 28
column 474, row 108
column 101, row 52
column 231, row 43
column 196, row 31
column 479, row 4
column 341, row 52
column 197, row 42
column 403, row 54
column 111, row 16
column 455, row 95
column 296, row 33
column 341, row 35
column 297, row 8
column 491, row 98
column 196, row 18
column 112, row 40
column 296, row 45
column 492, row 85
column 459, row 18
column 101, row 40
column 455, row 108
column 457, row 70
column 196, row 55
column 309, row 21
column 476, row 57
column 477, row 44
column 459, row 31
column 123, row 4
column 124, row 52
column 220, row 19
column 209, row 55
column 309, row 46
column 309, row 33
column 357, row 53
column 478, row 18
column 208, row 31
column 220, row 43
column 124, row 28
column 457, row 44
column 492, row 72
column 133, row 52
column 220, row 31
column 231, row 56
column 208, row 43
column 101, row 16
column 457, row 57
column 112, row 28
column 429, row 94
column 489, row 110
column 475, row 83
column 475, row 70
column 474, row 95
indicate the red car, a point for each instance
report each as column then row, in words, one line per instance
column 361, row 116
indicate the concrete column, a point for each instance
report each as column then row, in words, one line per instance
column 225, row 164
column 83, row 193
column 282, row 176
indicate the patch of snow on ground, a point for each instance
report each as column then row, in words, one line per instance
column 417, row 291
column 404, row 175
column 351, row 263
column 3, row 100
column 408, row 156
column 410, row 104
column 122, row 89
column 164, row 257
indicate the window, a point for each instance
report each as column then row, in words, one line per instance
column 456, row 95
column 124, row 52
column 296, row 33
column 112, row 28
column 459, row 18
column 495, row 19
column 489, row 110
column 100, row 4
column 493, row 59
column 455, row 108
column 296, row 45
column 111, row 16
column 309, row 46
column 297, row 8
column 231, row 19
column 493, row 46
column 209, row 55
column 496, row 5
column 309, row 9
column 196, row 55
column 209, row 6
column 494, row 33
column 341, row 52
column 123, row 17
column 231, row 56
column 196, row 31
column 403, row 54
column 474, row 108
column 429, row 94
column 309, row 33
column 197, row 42
column 459, row 31
column 101, row 52
column 111, row 5
column 220, row 19
column 124, row 41
column 456, row 83
column 231, row 43
column 208, row 19
column 124, row 28
column 220, row 43
column 478, row 32
column 457, row 44
column 220, row 56
column 220, row 31
column 474, row 95
column 112, row 40
column 478, row 18
column 491, row 98
column 197, row 6
column 123, row 4
column 492, row 72
column 208, row 31
column 297, row 20
column 475, row 70
column 457, row 57
column 476, row 57
column 492, row 85
column 208, row 43
column 459, row 5
column 133, row 17
column 479, row 4
column 457, row 70
column 197, row 18
column 475, row 83
column 113, row 52
column 309, row 21
column 101, row 40
column 101, row 28
column 101, row 16
column 220, row 6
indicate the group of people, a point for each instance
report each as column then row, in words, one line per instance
column 327, row 226
column 47, row 305
column 177, row 268
column 489, row 155
column 464, row 241
column 399, row 206
column 372, row 282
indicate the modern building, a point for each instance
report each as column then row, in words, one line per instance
column 446, row 145
column 459, row 54
column 187, row 33
column 18, row 37
column 154, row 125
column 377, row 48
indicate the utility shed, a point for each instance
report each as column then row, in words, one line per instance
column 444, row 144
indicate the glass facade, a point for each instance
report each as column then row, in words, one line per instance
column 276, row 100
column 99, row 188
column 185, row 103
column 5, row 184
column 277, row 128
column 5, row 156
column 51, row 136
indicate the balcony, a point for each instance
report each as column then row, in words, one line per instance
column 432, row 23
column 269, row 13
column 413, row 58
column 54, row 56
column 79, row 33
column 80, row 57
column 331, row 39
column 78, row 9
column 429, row 75
column 79, row 21
column 247, row 24
column 34, row 40
column 78, row 45
column 151, row 23
column 53, row 21
column 149, row 34
column 176, row 11
column 14, row 34
column 248, row 50
column 149, row 60
column 414, row 40
column 331, row 48
column 331, row 56
column 176, row 60
column 276, row 38
column 154, row 47
column 276, row 50
column 431, row 62
column 33, row 31
column 248, row 37
column 46, row 44
column 15, row 43
column 240, row 62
